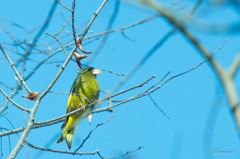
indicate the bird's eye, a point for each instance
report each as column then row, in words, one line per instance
column 89, row 69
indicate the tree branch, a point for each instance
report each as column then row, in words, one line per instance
column 15, row 70
column 93, row 130
column 30, row 122
column 109, row 108
column 14, row 103
column 235, row 66
column 62, row 118
column 60, row 151
column 64, row 6
column 224, row 76
column 13, row 93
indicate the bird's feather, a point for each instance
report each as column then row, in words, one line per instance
column 85, row 90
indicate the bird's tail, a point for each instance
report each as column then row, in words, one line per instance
column 69, row 131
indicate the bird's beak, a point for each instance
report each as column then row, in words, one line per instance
column 96, row 71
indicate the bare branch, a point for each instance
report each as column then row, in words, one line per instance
column 59, row 43
column 9, row 132
column 158, row 107
column 64, row 6
column 15, row 70
column 92, row 36
column 109, row 26
column 62, row 118
column 152, row 50
column 189, row 69
column 74, row 32
column 128, row 152
column 93, row 130
column 14, row 103
column 144, row 93
column 119, row 74
column 125, row 27
column 40, row 63
column 80, row 153
column 235, row 66
column 62, row 27
column 6, row 86
column 59, row 151
column 30, row 122
column 93, row 18
column 13, row 93
column 144, row 58
column 224, row 76
column 154, row 85
column 40, row 32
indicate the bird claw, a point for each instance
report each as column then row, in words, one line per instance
column 81, row 106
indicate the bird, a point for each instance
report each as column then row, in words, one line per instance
column 85, row 90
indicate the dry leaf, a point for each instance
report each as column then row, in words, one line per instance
column 79, row 57
column 79, row 44
column 31, row 95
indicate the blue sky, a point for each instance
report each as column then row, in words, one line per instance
column 201, row 124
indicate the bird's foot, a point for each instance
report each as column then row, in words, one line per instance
column 81, row 106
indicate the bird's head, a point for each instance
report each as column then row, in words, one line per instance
column 91, row 70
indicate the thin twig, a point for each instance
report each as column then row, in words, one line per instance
column 144, row 58
column 62, row 27
column 119, row 74
column 92, row 131
column 144, row 93
column 224, row 76
column 59, row 43
column 158, row 107
column 38, row 65
column 64, row 6
column 62, row 118
column 60, row 151
column 14, row 103
column 125, row 27
column 189, row 69
column 128, row 152
column 40, row 32
column 74, row 32
column 235, row 66
column 109, row 26
column 93, row 18
column 88, row 37
column 53, row 121
column 6, row 86
column 15, row 70
column 12, row 94
column 153, row 50
column 157, row 82
column 30, row 122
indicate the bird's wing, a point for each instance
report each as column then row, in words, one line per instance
column 73, row 97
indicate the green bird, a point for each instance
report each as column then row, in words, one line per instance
column 85, row 90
